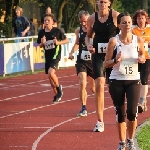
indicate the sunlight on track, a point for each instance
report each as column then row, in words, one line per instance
column 12, row 86
column 34, row 146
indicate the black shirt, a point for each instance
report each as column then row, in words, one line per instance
column 103, row 31
column 52, row 51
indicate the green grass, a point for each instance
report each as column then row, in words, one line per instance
column 143, row 137
column 21, row 74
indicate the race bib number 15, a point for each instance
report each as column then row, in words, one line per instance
column 128, row 68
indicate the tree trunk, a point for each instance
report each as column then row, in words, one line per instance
column 73, row 14
column 145, row 5
column 62, row 4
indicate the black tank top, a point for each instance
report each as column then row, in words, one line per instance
column 82, row 45
column 103, row 31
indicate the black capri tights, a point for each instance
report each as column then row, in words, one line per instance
column 118, row 89
column 144, row 71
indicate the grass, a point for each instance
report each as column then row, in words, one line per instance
column 143, row 137
column 21, row 73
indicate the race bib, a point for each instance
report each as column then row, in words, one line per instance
column 49, row 45
column 86, row 55
column 128, row 68
column 102, row 47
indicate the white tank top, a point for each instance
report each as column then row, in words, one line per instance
column 127, row 68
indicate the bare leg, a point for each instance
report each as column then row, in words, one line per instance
column 91, row 84
column 52, row 76
column 99, row 97
column 82, row 87
column 131, row 127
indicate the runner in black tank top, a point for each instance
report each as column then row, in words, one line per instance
column 103, row 32
column 83, row 48
column 83, row 64
column 104, row 25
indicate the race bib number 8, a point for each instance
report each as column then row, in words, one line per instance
column 128, row 68
column 102, row 47
column 49, row 45
column 86, row 55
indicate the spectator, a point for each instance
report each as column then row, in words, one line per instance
column 32, row 28
column 20, row 25
column 48, row 11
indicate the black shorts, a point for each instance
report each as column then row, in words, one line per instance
column 98, row 65
column 144, row 70
column 51, row 64
column 83, row 66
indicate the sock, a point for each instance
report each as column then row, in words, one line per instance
column 58, row 89
column 83, row 107
column 130, row 139
column 99, row 120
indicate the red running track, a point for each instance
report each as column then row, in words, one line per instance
column 29, row 121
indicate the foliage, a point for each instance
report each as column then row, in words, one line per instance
column 65, row 10
column 143, row 137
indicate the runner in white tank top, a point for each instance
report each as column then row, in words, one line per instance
column 123, row 54
column 127, row 69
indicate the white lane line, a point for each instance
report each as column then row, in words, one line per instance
column 34, row 146
column 24, row 128
column 21, row 112
column 33, row 82
column 10, row 98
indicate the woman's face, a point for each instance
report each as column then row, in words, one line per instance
column 103, row 4
column 48, row 21
column 141, row 20
column 125, row 24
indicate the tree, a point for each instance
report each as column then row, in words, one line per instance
column 145, row 5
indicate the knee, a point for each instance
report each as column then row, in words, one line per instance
column 92, row 88
column 82, row 83
column 120, row 115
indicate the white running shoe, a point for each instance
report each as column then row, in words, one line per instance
column 99, row 127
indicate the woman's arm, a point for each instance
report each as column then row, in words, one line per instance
column 109, row 62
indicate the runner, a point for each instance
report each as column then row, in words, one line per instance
column 51, row 38
column 84, row 63
column 125, row 79
column 141, row 28
column 48, row 11
column 104, row 24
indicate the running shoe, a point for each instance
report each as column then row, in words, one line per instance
column 142, row 107
column 56, row 99
column 130, row 145
column 59, row 91
column 122, row 146
column 82, row 113
column 99, row 127
column 58, row 96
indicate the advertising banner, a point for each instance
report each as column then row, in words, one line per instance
column 18, row 57
column 38, row 58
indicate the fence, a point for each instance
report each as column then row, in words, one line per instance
column 28, row 56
